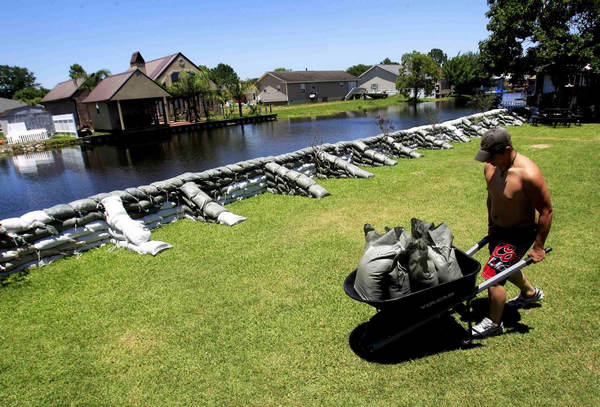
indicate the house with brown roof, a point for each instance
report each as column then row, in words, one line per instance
column 294, row 87
column 67, row 97
column 166, row 71
column 126, row 101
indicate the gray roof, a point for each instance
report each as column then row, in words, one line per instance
column 313, row 76
column 9, row 104
column 63, row 90
column 395, row 69
column 392, row 68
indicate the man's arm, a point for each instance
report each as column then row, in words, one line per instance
column 538, row 193
column 486, row 168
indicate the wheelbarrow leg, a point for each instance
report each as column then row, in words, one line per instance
column 469, row 340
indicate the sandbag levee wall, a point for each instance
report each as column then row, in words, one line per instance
column 40, row 237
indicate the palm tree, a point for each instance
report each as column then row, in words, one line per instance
column 205, row 88
column 76, row 72
column 238, row 91
column 186, row 88
column 193, row 87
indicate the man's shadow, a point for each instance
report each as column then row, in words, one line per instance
column 442, row 334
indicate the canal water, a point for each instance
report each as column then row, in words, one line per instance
column 41, row 180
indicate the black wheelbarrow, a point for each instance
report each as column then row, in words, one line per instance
column 412, row 311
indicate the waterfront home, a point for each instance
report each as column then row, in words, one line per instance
column 67, row 98
column 166, row 72
column 575, row 88
column 381, row 78
column 27, row 117
column 293, row 87
column 127, row 101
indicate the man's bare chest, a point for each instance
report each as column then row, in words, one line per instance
column 508, row 188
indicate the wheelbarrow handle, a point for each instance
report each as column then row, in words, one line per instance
column 507, row 273
column 478, row 246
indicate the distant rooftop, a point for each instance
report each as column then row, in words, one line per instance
column 313, row 76
column 63, row 90
column 9, row 104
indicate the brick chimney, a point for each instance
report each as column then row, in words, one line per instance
column 137, row 62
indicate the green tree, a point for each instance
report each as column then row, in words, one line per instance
column 14, row 78
column 194, row 88
column 223, row 76
column 76, row 71
column 282, row 70
column 438, row 56
column 526, row 34
column 358, row 70
column 466, row 73
column 31, row 95
column 417, row 72
column 238, row 92
column 388, row 61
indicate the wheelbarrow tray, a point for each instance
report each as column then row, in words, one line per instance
column 440, row 296
column 398, row 316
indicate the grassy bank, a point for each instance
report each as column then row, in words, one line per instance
column 330, row 108
column 255, row 314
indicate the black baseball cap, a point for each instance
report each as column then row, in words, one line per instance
column 493, row 141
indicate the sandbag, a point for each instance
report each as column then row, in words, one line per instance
column 60, row 212
column 152, row 247
column 373, row 272
column 441, row 253
column 421, row 270
column 119, row 221
column 36, row 216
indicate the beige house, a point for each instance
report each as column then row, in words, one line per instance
column 165, row 70
column 127, row 101
column 67, row 97
column 287, row 88
column 380, row 79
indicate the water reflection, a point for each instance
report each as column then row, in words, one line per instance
column 40, row 180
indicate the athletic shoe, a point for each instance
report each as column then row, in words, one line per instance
column 520, row 300
column 487, row 328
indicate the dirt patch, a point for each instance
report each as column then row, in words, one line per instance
column 540, row 146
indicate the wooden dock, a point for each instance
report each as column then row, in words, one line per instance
column 175, row 127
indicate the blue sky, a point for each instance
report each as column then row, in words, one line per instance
column 252, row 36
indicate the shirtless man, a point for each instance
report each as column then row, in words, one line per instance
column 516, row 191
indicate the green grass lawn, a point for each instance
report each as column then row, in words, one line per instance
column 330, row 108
column 255, row 315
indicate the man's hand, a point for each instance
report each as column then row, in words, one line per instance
column 537, row 254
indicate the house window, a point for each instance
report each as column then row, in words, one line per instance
column 97, row 108
column 341, row 84
column 174, row 77
column 302, row 88
column 374, row 87
column 278, row 87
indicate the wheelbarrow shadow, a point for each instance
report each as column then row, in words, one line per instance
column 442, row 334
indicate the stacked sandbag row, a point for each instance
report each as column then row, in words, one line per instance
column 207, row 208
column 282, row 180
column 40, row 237
column 243, row 189
column 363, row 155
column 331, row 166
